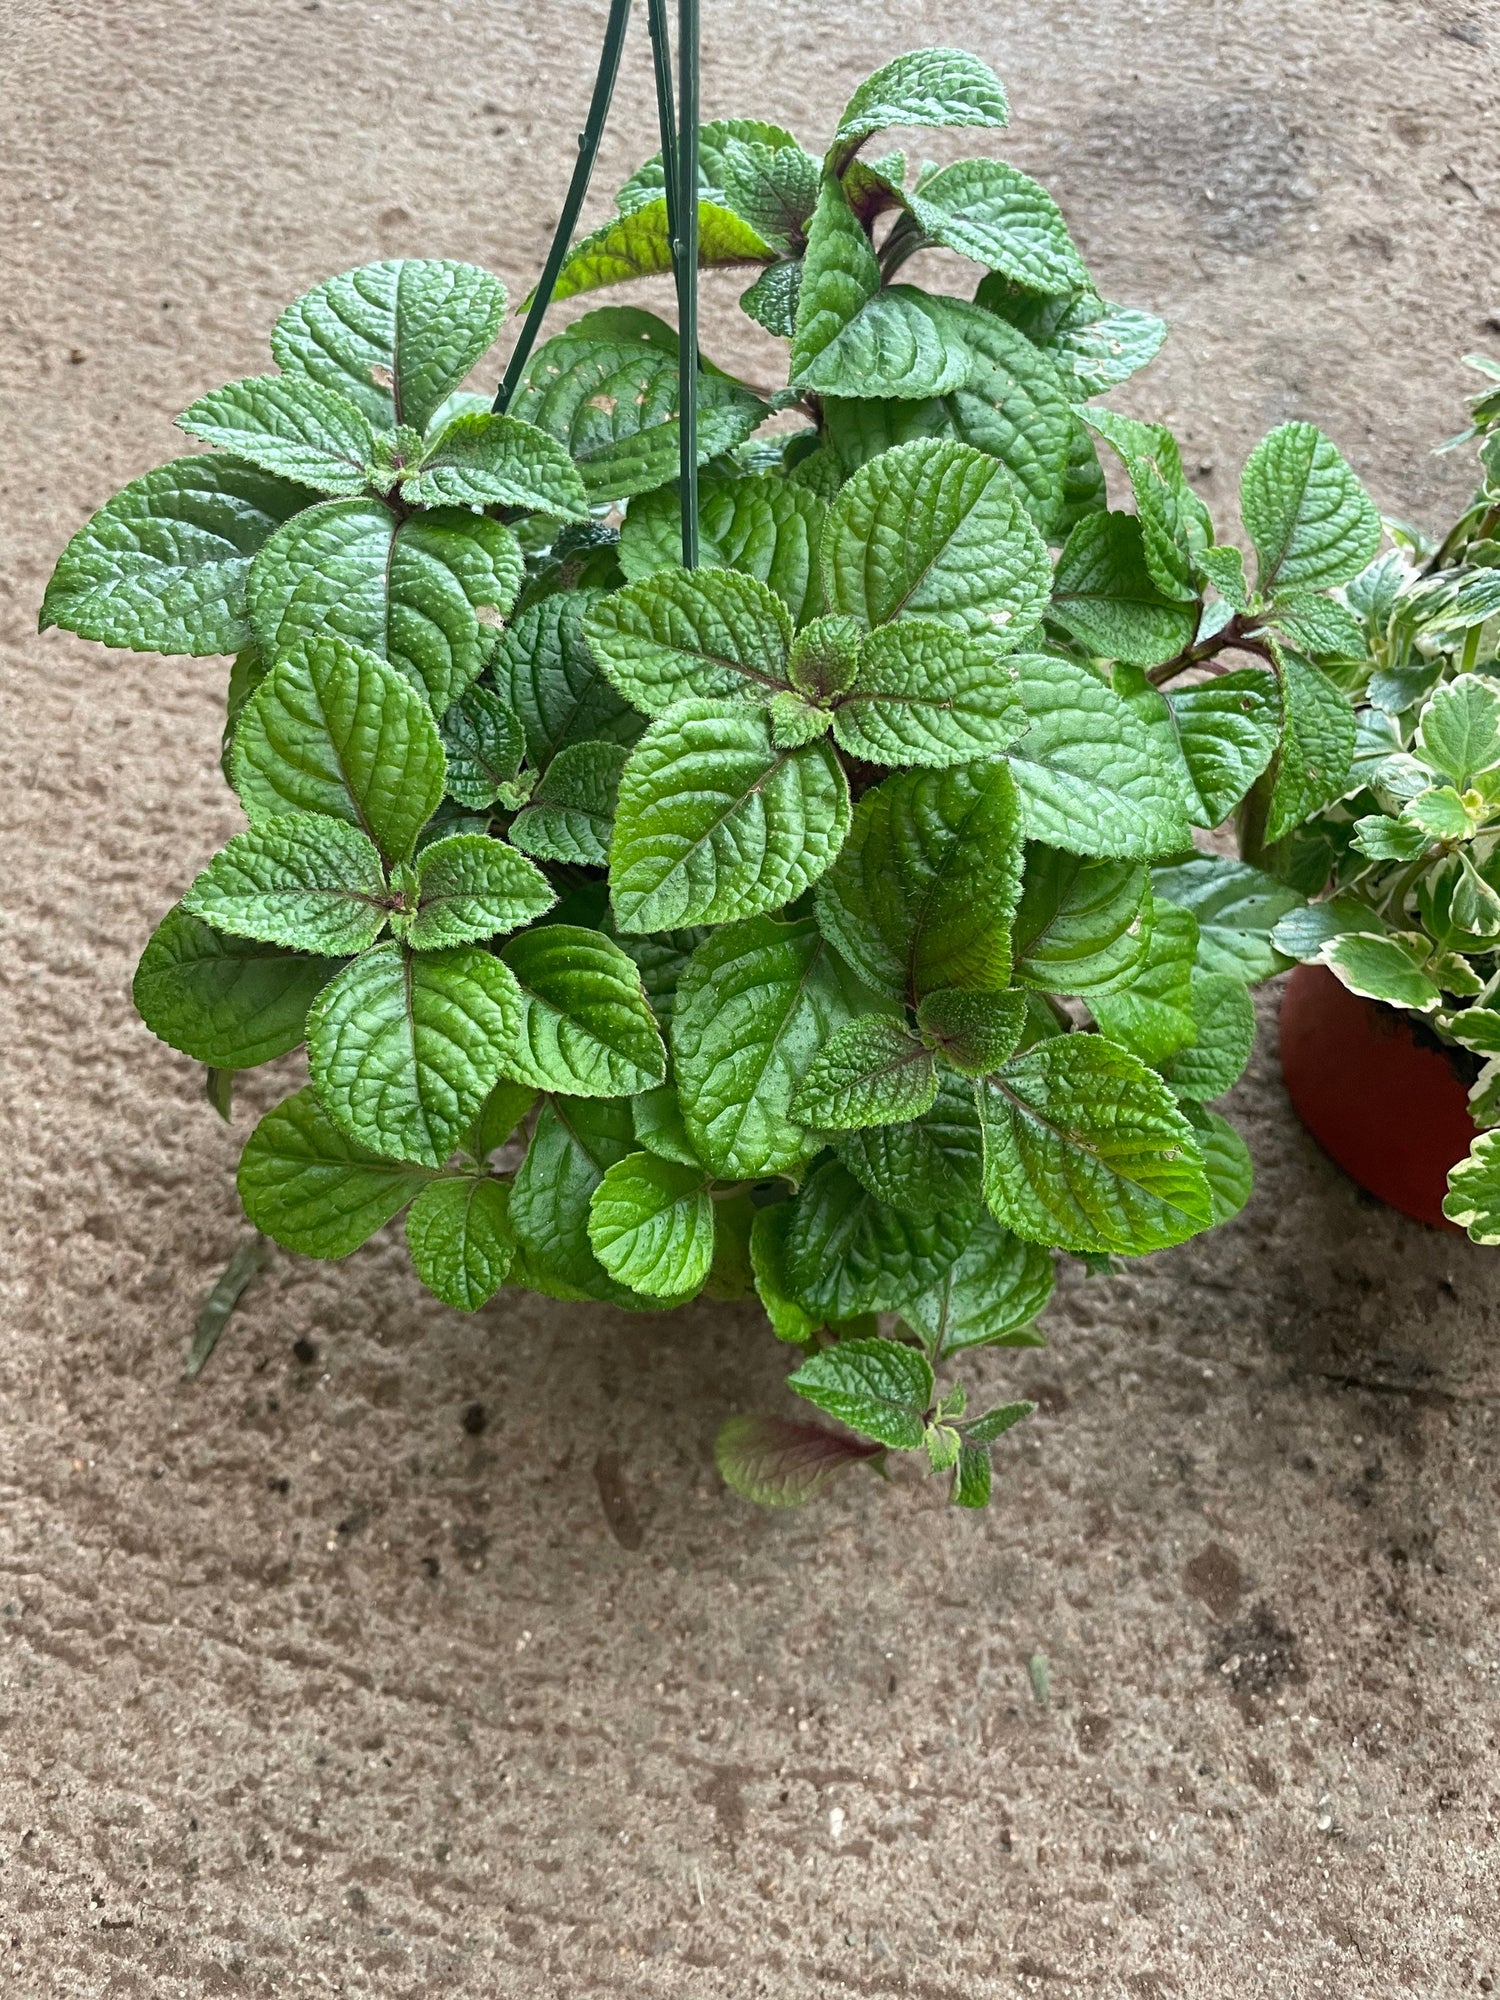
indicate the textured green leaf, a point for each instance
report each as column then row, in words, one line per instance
column 825, row 657
column 651, row 1223
column 1105, row 596
column 778, row 1463
column 1082, row 926
column 420, row 323
column 1458, row 732
column 930, row 1167
column 333, row 730
column 872, row 1071
column 992, row 212
column 1093, row 777
column 927, row 694
column 711, row 634
column 499, row 1115
column 1175, row 524
column 1319, row 627
column 1226, row 1161
column 715, row 823
column 584, row 1028
column 404, row 1049
column 923, row 893
column 1152, row 1015
column 548, row 675
column 1227, row 731
column 1473, row 1197
column 997, row 1287
column 659, row 1126
column 161, row 567
column 973, row 1032
column 227, row 1001
column 1311, row 521
column 772, row 300
column 468, row 888
column 1237, row 908
column 575, row 1141
column 995, row 1423
column 458, row 1232
column 288, row 425
column 755, row 1004
column 1317, row 744
column 928, row 87
column 795, row 721
column 1440, row 814
column 407, row 593
column 790, row 1321
column 1225, row 1018
column 311, row 1189
column 572, row 810
column 714, row 141
column 484, row 743
column 485, row 460
column 1382, row 968
column 773, row 188
column 310, row 883
column 1098, row 344
column 639, row 245
column 762, row 524
column 935, row 528
column 1086, row 1149
column 880, row 1387
column 971, row 1479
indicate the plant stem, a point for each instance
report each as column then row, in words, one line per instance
column 588, row 148
column 687, row 272
column 1237, row 634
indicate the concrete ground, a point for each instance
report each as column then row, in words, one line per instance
column 412, row 1654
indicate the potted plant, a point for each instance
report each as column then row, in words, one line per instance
column 1390, row 1028
column 705, row 857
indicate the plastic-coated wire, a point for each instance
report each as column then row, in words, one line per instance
column 687, row 272
column 588, row 147
column 666, row 116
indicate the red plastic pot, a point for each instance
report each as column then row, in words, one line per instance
column 1393, row 1113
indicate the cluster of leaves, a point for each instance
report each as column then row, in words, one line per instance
column 1411, row 849
column 822, row 924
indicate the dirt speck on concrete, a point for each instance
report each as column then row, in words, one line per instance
column 310, row 1685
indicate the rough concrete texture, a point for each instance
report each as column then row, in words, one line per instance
column 308, row 1682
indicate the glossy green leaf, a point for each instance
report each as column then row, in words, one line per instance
column 651, row 1224
column 1098, row 344
column 790, row 1321
column 1226, row 1161
column 711, row 634
column 1317, row 744
column 879, row 1387
column 585, row 1028
column 548, row 676
column 973, row 1032
column 992, row 212
column 928, row 87
column 1104, row 594
column 1081, row 926
column 311, row 883
column 1175, row 524
column 972, row 1476
column 778, row 1463
column 1312, row 523
column 872, row 1071
column 484, row 743
column 1152, row 1014
column 772, row 300
column 639, row 245
column 714, row 140
column 313, row 1190
column 459, row 1236
column 576, row 1139
column 486, row 460
column 930, row 1166
column 848, row 1253
column 767, row 526
column 1237, row 908
column 1224, row 1015
column 773, row 188
column 469, row 888
column 289, row 425
column 994, row 1291
column 659, row 1125
column 499, row 1115
column 227, row 1001
column 927, row 694
column 1382, row 968
column 1227, row 731
column 572, row 810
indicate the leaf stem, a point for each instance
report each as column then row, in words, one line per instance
column 686, row 258
column 1238, row 634
column 588, row 148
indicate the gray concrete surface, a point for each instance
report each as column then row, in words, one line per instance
column 306, row 1688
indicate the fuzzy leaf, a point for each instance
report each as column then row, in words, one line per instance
column 1224, row 1015
column 648, row 182
column 572, row 810
column 879, row 1387
column 1099, row 345
column 973, row 1032
column 313, row 1190
column 584, row 1027
column 1175, row 524
column 470, row 888
column 992, row 212
column 1312, row 523
column 639, row 245
column 772, row 188
column 484, row 460
column 459, row 1236
column 1317, row 744
column 848, row 1253
column 928, row 87
column 929, row 1167
column 651, row 1223
column 766, row 526
column 772, row 300
column 289, row 425
column 484, row 743
column 1082, row 926
column 996, row 1289
column 779, row 1463
column 1237, row 908
column 227, row 1001
column 872, row 1071
column 712, row 634
column 927, row 694
column 310, row 883
column 1104, row 594
column 547, row 674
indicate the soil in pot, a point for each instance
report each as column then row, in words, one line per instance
column 1381, row 1097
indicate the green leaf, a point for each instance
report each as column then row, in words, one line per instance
column 459, row 1236
column 639, row 245
column 1225, row 1017
column 407, row 593
column 1459, row 730
column 548, row 675
column 772, row 300
column 161, row 567
column 1304, row 930
column 484, row 744
column 226, row 1001
column 575, row 1141
column 1226, row 1161
column 923, row 893
column 772, row 188
column 790, row 1321
column 420, row 323
column 404, row 1049
column 657, row 1116
column 288, row 425
column 333, row 730
column 767, row 526
column 1473, row 1197
column 935, row 528
column 872, row 1071
column 1440, row 814
column 1320, row 627
column 1311, row 522
column 1152, row 1015
column 879, row 1387
column 715, row 823
column 928, row 87
column 304, row 881
column 572, row 810
column 994, row 1291
column 651, row 1223
column 927, row 1168
column 1382, row 968
column 303, row 1183
column 971, row 1481
column 1093, row 777
column 1317, row 744
column 795, row 722
column 712, row 634
column 1175, row 524
column 778, row 1463
column 499, row 1115
column 1098, row 344
column 755, row 1004
column 1227, row 731
column 470, row 888
column 483, row 461
column 1082, row 926
column 825, row 657
column 714, row 140
column 992, row 212
column 1085, row 1148
column 927, row 694
column 973, row 1032
column 848, row 1253
column 1104, row 594
column 1237, row 908
column 613, row 404
column 584, row 1027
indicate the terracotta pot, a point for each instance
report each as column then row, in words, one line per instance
column 1393, row 1113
